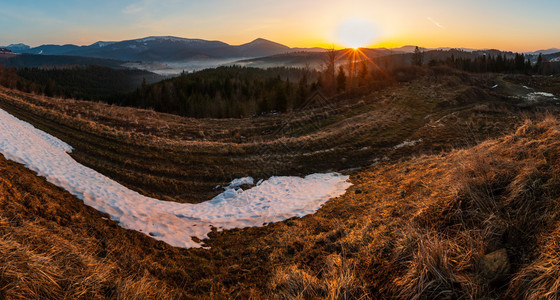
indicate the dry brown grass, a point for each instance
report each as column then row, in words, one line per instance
column 163, row 156
column 419, row 229
column 540, row 279
column 505, row 197
column 46, row 252
column 437, row 270
column 337, row 281
column 414, row 229
column 411, row 228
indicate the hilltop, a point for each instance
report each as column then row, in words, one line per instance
column 448, row 173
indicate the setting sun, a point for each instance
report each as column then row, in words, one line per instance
column 356, row 33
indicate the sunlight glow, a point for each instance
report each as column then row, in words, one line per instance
column 356, row 56
column 356, row 33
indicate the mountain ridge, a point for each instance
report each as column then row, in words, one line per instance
column 177, row 54
column 159, row 49
column 405, row 48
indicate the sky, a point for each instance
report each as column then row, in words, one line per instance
column 499, row 24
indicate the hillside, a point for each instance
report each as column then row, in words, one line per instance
column 163, row 155
column 429, row 196
column 226, row 92
column 33, row 61
column 388, row 59
column 309, row 59
column 94, row 83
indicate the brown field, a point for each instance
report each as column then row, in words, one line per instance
column 422, row 223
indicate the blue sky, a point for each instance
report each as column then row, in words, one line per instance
column 508, row 25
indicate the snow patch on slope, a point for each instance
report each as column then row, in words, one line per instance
column 102, row 44
column 539, row 96
column 407, row 144
column 241, row 181
column 169, row 39
column 273, row 200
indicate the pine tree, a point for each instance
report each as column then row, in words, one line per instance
column 417, row 57
column 538, row 66
column 341, row 80
column 519, row 62
column 302, row 89
column 363, row 73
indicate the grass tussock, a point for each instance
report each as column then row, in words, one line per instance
column 59, row 270
column 337, row 281
column 436, row 270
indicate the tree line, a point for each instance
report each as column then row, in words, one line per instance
column 227, row 92
column 488, row 62
column 235, row 91
column 78, row 82
column 519, row 63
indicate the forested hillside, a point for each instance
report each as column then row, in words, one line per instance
column 87, row 83
column 236, row 91
column 227, row 92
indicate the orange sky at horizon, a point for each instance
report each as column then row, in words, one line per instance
column 512, row 25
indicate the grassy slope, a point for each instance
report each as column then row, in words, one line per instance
column 55, row 247
column 412, row 228
column 401, row 225
column 182, row 159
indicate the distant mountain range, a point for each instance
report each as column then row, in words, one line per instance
column 174, row 49
column 19, row 48
column 171, row 55
column 160, row 49
column 544, row 51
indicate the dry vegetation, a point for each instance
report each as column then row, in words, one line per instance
column 164, row 156
column 473, row 222
column 480, row 222
column 54, row 247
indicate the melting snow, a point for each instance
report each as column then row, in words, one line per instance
column 536, row 96
column 241, row 181
column 407, row 144
column 273, row 200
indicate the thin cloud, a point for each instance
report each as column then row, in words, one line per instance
column 435, row 22
column 133, row 9
column 148, row 6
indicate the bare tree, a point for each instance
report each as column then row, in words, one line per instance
column 330, row 65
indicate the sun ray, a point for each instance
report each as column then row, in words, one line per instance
column 355, row 56
column 383, row 72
